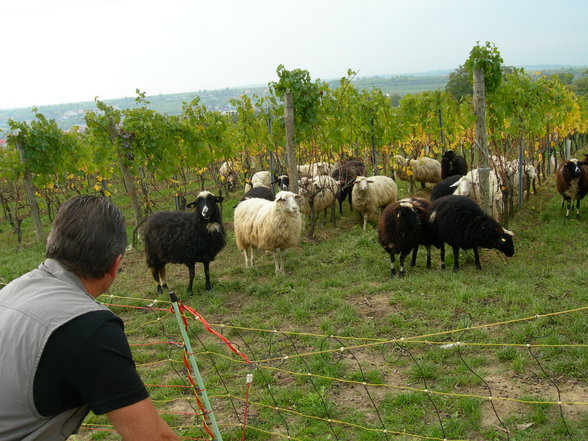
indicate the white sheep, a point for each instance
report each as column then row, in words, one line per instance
column 469, row 185
column 417, row 170
column 315, row 169
column 371, row 195
column 260, row 178
column 270, row 225
column 322, row 190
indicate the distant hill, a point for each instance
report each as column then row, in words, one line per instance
column 68, row 115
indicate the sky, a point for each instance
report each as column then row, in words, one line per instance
column 62, row 51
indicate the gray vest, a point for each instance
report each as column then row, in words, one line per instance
column 31, row 308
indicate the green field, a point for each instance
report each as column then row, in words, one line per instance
column 522, row 324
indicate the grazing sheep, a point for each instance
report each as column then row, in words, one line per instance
column 459, row 222
column 184, row 237
column 529, row 176
column 469, row 185
column 345, row 175
column 229, row 175
column 571, row 178
column 417, row 170
column 372, row 194
column 274, row 226
column 322, row 191
column 452, row 164
column 402, row 228
column 262, row 192
column 445, row 187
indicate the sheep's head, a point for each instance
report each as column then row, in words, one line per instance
column 362, row 182
column 463, row 186
column 288, row 202
column 449, row 155
column 283, row 182
column 505, row 242
column 573, row 168
column 205, row 206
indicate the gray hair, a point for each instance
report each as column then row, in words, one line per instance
column 88, row 234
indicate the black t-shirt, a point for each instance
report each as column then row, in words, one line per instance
column 87, row 361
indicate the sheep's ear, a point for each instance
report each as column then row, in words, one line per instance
column 191, row 205
column 219, row 199
column 369, row 181
column 456, row 183
column 510, row 233
column 298, row 196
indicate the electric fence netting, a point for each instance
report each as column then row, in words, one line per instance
column 255, row 383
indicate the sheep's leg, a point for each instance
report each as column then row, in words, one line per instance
column 191, row 273
column 569, row 206
column 163, row 277
column 276, row 254
column 252, row 257
column 365, row 218
column 282, row 260
column 158, row 273
column 246, row 254
column 206, row 265
column 428, row 256
column 414, row 256
column 442, row 255
column 456, row 258
column 403, row 255
column 477, row 258
column 392, row 264
column 578, row 209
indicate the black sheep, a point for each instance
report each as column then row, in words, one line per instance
column 184, row 237
column 452, row 164
column 262, row 192
column 461, row 223
column 402, row 227
column 345, row 175
column 444, row 188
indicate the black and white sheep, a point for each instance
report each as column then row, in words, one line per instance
column 402, row 227
column 372, row 194
column 459, row 222
column 452, row 164
column 274, row 226
column 265, row 178
column 184, row 237
column 571, row 178
column 345, row 175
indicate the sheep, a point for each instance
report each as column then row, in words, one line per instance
column 452, row 164
column 266, row 179
column 315, row 169
column 469, row 185
column 445, row 187
column 229, row 175
column 345, row 175
column 461, row 223
column 372, row 194
column 571, row 178
column 262, row 192
column 184, row 237
column 417, row 170
column 402, row 227
column 321, row 191
column 274, row 226
column 529, row 176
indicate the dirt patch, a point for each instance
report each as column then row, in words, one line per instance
column 373, row 307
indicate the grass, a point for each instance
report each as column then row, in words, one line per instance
column 339, row 285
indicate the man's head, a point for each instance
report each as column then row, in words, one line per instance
column 87, row 236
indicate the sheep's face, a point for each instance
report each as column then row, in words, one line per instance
column 505, row 242
column 463, row 187
column 205, row 206
column 573, row 168
column 288, row 202
column 283, row 182
column 362, row 183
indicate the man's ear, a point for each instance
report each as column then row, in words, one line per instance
column 114, row 268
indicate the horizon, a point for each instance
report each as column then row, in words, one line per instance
column 433, row 72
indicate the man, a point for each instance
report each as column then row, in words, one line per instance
column 63, row 353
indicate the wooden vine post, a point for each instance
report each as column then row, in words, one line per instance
column 30, row 190
column 481, row 139
column 290, row 147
